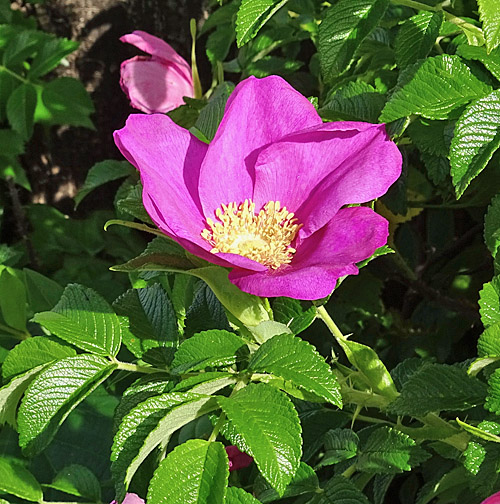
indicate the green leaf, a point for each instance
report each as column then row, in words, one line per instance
column 438, row 387
column 64, row 101
column 492, row 226
column 493, row 397
column 209, row 349
column 16, row 480
column 491, row 61
column 128, row 200
column 340, row 445
column 269, row 426
column 196, row 472
column 102, row 173
column 11, row 394
column 489, row 14
column 219, row 42
column 370, row 366
column 53, row 394
column 20, row 47
column 148, row 425
column 390, row 451
column 211, row 115
column 21, row 109
column 489, row 302
column 346, row 24
column 85, row 319
column 416, row 37
column 357, row 101
column 252, row 16
column 77, row 480
column 206, row 383
column 11, row 142
column 290, row 312
column 235, row 495
column 304, row 481
column 292, row 358
column 32, row 352
column 340, row 490
column 435, row 89
column 476, row 138
column 13, row 300
column 489, row 342
column 49, row 54
column 153, row 334
column 43, row 292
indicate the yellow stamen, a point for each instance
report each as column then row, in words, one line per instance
column 264, row 237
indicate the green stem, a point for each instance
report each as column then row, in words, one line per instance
column 22, row 335
column 13, row 74
column 349, row 471
column 135, row 368
column 198, row 93
column 332, row 326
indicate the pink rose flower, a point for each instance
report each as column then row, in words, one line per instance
column 237, row 459
column 268, row 197
column 492, row 499
column 155, row 83
column 131, row 498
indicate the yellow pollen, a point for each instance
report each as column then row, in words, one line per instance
column 264, row 237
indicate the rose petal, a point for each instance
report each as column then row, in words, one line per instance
column 157, row 47
column 493, row 499
column 131, row 498
column 330, row 253
column 259, row 111
column 153, row 85
column 315, row 172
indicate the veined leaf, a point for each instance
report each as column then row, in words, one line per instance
column 196, row 472
column 16, row 480
column 21, row 108
column 292, row 358
column 489, row 13
column 489, row 302
column 476, row 138
column 49, row 54
column 340, row 490
column 340, row 444
column 252, row 16
column 54, row 393
column 267, row 422
column 85, row 319
column 435, row 89
column 212, row 348
column 492, row 226
column 489, row 342
column 289, row 311
column 491, row 61
column 493, row 398
column 417, row 36
column 237, row 495
column 346, row 24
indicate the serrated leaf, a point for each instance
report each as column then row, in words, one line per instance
column 206, row 383
column 148, row 425
column 491, row 61
column 21, row 108
column 211, row 115
column 346, row 24
column 416, row 37
column 435, row 89
column 476, row 138
column 32, row 352
column 493, row 397
column 85, row 319
column 16, row 480
column 102, row 173
column 489, row 14
column 290, row 312
column 304, row 481
column 294, row 359
column 235, row 495
column 340, row 445
column 153, row 333
column 269, row 425
column 357, row 101
column 489, row 302
column 49, row 54
column 77, row 480
column 390, row 451
column 489, row 342
column 492, row 226
column 438, row 387
column 340, row 490
column 209, row 349
column 13, row 299
column 21, row 46
column 196, row 472
column 252, row 16
column 11, row 393
column 128, row 200
column 53, row 394
column 485, row 430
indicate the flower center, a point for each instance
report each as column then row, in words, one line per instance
column 264, row 237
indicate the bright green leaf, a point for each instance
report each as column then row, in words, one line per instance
column 476, row 138
column 196, row 472
column 294, row 359
column 489, row 13
column 267, row 422
column 15, row 479
column 489, row 302
column 237, row 495
column 13, row 300
column 489, row 341
column 491, row 61
column 83, row 318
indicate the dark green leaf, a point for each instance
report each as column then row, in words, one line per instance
column 48, row 56
column 211, row 115
column 340, row 490
column 219, row 43
column 43, row 293
column 269, row 426
column 340, row 444
column 77, row 480
column 15, row 479
column 21, row 47
column 21, row 109
column 346, row 24
column 290, row 312
column 196, row 472
column 12, row 299
column 11, row 142
column 492, row 226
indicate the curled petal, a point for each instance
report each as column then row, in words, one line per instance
column 321, row 259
